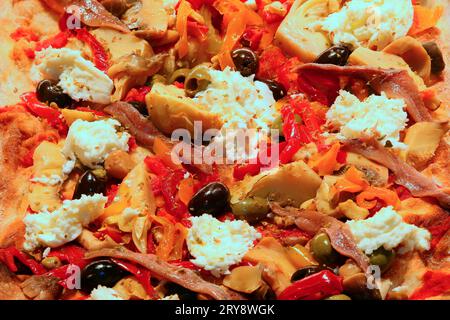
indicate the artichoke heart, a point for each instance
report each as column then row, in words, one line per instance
column 422, row 139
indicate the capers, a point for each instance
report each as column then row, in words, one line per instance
column 49, row 92
column 307, row 271
column 197, row 80
column 278, row 90
column 437, row 60
column 140, row 106
column 337, row 55
column 339, row 297
column 322, row 250
column 245, row 60
column 89, row 184
column 251, row 209
column 102, row 272
column 382, row 258
column 211, row 199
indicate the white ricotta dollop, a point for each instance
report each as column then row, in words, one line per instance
column 92, row 142
column 218, row 245
column 52, row 180
column 78, row 77
column 387, row 229
column 377, row 116
column 53, row 229
column 105, row 293
column 239, row 101
column 370, row 23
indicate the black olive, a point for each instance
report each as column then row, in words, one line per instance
column 307, row 271
column 245, row 60
column 101, row 273
column 277, row 88
column 337, row 55
column 49, row 92
column 89, row 184
column 211, row 199
column 437, row 60
column 140, row 106
column 183, row 293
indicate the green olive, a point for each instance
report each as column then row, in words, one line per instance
column 251, row 209
column 179, row 75
column 322, row 250
column 197, row 80
column 339, row 297
column 158, row 78
column 382, row 258
column 51, row 262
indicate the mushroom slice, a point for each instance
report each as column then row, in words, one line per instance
column 422, row 139
column 148, row 18
column 293, row 184
column 374, row 173
column 116, row 7
column 295, row 34
column 413, row 53
column 246, row 279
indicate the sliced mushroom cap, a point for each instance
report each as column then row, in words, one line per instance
column 244, row 279
column 374, row 173
column 117, row 7
column 148, row 18
column 413, row 53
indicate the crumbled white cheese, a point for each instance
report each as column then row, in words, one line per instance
column 377, row 116
column 171, row 297
column 53, row 229
column 105, row 293
column 239, row 101
column 78, row 77
column 387, row 229
column 92, row 142
column 217, row 245
column 52, row 180
column 370, row 23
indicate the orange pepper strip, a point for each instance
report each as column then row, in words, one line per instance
column 352, row 181
column 186, row 190
column 184, row 10
column 163, row 150
column 327, row 163
column 166, row 244
column 425, row 18
column 180, row 237
column 236, row 18
column 368, row 198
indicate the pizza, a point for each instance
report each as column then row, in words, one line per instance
column 224, row 150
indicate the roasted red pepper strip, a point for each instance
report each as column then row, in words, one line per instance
column 137, row 94
column 99, row 53
column 142, row 275
column 7, row 256
column 197, row 30
column 57, row 41
column 71, row 254
column 39, row 109
column 315, row 287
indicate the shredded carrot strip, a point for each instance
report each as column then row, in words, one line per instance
column 184, row 11
column 425, row 18
column 352, row 181
column 368, row 198
column 236, row 17
column 327, row 163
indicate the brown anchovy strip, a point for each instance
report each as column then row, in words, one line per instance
column 182, row 276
